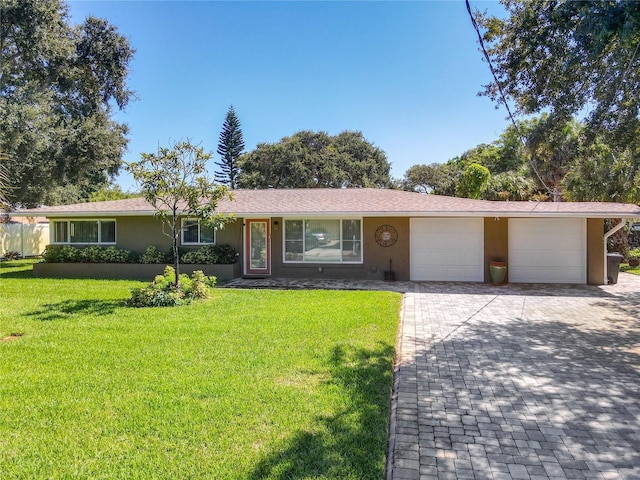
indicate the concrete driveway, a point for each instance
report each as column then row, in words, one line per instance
column 522, row 382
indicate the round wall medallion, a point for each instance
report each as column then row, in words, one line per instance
column 386, row 235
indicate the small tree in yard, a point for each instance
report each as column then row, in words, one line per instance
column 175, row 182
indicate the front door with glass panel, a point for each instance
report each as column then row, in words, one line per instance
column 257, row 247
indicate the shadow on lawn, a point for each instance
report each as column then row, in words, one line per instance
column 15, row 269
column 67, row 308
column 351, row 443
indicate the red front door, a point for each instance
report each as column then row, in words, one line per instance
column 257, row 247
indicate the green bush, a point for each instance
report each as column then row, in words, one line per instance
column 61, row 254
column 210, row 255
column 162, row 292
column 89, row 254
column 207, row 255
column 153, row 255
column 92, row 254
column 116, row 255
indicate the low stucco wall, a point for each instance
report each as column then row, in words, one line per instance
column 128, row 271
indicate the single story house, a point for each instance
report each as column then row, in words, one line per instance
column 362, row 233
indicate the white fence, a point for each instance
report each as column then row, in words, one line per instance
column 26, row 239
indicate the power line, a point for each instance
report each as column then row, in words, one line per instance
column 553, row 192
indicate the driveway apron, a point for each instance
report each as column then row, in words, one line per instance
column 517, row 382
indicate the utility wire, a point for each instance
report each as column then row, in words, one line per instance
column 553, row 192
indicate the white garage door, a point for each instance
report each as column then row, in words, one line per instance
column 447, row 249
column 543, row 250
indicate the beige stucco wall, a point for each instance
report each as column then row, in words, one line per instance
column 595, row 251
column 496, row 243
column 138, row 233
column 230, row 234
column 375, row 258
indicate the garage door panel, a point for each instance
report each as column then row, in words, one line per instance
column 436, row 226
column 546, row 274
column 446, row 249
column 441, row 255
column 543, row 250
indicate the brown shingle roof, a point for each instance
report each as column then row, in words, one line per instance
column 356, row 201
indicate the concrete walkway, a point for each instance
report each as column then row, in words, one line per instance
column 517, row 382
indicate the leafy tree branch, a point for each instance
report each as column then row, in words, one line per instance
column 174, row 181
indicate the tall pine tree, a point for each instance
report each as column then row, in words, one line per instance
column 230, row 147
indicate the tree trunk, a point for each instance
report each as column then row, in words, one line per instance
column 176, row 262
column 176, row 257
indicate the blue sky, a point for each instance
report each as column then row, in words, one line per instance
column 406, row 74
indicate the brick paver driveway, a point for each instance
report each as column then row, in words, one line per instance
column 520, row 382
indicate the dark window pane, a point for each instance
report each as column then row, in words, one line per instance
column 60, row 230
column 190, row 231
column 84, row 231
column 108, row 231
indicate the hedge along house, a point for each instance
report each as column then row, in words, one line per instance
column 363, row 233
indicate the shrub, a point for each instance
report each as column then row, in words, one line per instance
column 211, row 254
column 116, row 255
column 162, row 292
column 153, row 255
column 61, row 254
column 92, row 254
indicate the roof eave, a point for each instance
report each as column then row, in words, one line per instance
column 374, row 213
column 83, row 214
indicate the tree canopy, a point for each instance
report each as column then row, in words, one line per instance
column 230, row 147
column 564, row 57
column 111, row 192
column 474, row 181
column 4, row 183
column 516, row 171
column 315, row 160
column 425, row 178
column 580, row 168
column 59, row 85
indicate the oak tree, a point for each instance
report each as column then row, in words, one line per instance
column 315, row 160
column 567, row 58
column 59, row 87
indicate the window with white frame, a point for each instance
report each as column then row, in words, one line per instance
column 97, row 232
column 195, row 233
column 335, row 240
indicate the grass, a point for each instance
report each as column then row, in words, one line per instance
column 248, row 384
column 626, row 268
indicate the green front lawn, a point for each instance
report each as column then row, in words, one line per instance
column 626, row 268
column 249, row 384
